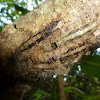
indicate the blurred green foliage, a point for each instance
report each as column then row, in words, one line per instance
column 38, row 94
column 75, row 90
column 90, row 65
column 82, row 83
column 11, row 10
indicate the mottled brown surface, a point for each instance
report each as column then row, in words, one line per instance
column 34, row 47
column 49, row 40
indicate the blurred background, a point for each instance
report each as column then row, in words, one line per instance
column 83, row 81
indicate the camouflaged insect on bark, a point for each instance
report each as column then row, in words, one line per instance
column 51, row 38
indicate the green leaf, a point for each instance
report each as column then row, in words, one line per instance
column 90, row 65
column 1, row 28
column 38, row 94
column 96, row 97
column 54, row 94
column 2, row 9
column 74, row 90
column 36, row 1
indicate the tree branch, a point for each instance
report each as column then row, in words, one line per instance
column 43, row 41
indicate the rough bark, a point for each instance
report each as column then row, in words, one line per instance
column 50, row 39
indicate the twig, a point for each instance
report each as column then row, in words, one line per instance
column 61, row 91
column 86, row 78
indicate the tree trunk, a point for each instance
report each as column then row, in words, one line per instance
column 48, row 40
